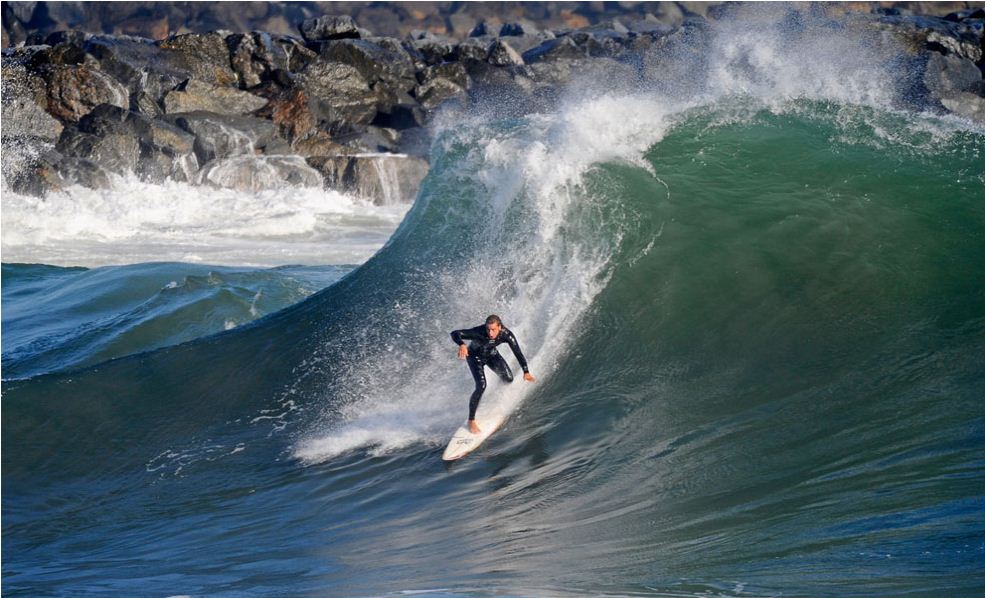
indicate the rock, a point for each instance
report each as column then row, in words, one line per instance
column 139, row 64
column 166, row 152
column 440, row 83
column 516, row 29
column 328, row 28
column 480, row 30
column 654, row 27
column 353, row 79
column 32, row 173
column 48, row 171
column 968, row 105
column 317, row 143
column 931, row 33
column 115, row 152
column 472, row 49
column 121, row 141
column 384, row 179
column 254, row 57
column 259, row 173
column 340, row 92
column 391, row 65
column 23, row 118
column 435, row 51
column 222, row 136
column 372, row 139
column 292, row 112
column 562, row 48
column 78, row 171
column 194, row 96
column 951, row 73
column 23, row 101
column 405, row 115
column 143, row 103
column 204, row 56
column 968, row 13
column 72, row 91
column 501, row 54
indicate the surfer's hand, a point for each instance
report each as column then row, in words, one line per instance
column 463, row 351
column 528, row 377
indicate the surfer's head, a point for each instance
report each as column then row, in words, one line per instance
column 493, row 326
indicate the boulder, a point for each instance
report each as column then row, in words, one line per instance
column 951, row 73
column 440, row 83
column 388, row 64
column 222, row 136
column 259, row 173
column 329, row 27
column 968, row 105
column 516, row 29
column 121, row 141
column 72, row 91
column 502, row 54
column 932, row 33
column 205, row 56
column 561, row 48
column 383, row 179
column 23, row 101
column 341, row 94
column 292, row 111
column 41, row 173
column 254, row 56
column 139, row 64
column 114, row 152
column 192, row 96
column 435, row 51
column 403, row 115
column 472, row 49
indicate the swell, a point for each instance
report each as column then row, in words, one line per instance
column 91, row 316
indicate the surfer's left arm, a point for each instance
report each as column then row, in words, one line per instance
column 515, row 346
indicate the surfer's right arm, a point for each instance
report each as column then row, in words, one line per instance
column 466, row 334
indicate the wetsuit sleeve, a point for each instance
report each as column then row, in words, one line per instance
column 517, row 352
column 466, row 334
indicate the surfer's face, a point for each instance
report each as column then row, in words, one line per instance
column 493, row 329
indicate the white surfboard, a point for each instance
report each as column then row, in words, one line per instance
column 464, row 442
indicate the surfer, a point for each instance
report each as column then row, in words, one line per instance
column 482, row 352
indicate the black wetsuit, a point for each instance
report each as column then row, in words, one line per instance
column 482, row 352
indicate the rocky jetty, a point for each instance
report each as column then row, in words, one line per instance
column 334, row 105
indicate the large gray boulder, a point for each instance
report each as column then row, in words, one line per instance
column 259, row 173
column 217, row 136
column 383, row 179
column 205, row 56
column 933, row 33
column 329, row 27
column 23, row 98
column 340, row 92
column 441, row 83
column 502, row 54
column 121, row 142
column 193, row 96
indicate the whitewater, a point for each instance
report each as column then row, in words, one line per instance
column 745, row 270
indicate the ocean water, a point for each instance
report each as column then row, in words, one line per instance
column 752, row 295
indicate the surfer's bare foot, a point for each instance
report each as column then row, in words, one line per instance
column 473, row 427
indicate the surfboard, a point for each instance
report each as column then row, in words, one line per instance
column 464, row 442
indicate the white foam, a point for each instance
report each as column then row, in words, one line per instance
column 136, row 222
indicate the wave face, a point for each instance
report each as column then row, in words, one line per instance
column 757, row 321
